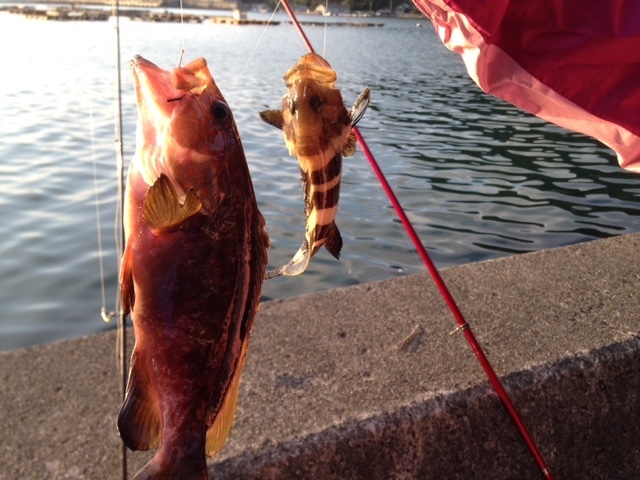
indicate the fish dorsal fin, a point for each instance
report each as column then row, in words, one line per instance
column 349, row 147
column 161, row 209
column 139, row 419
column 360, row 106
column 273, row 118
column 219, row 430
column 334, row 241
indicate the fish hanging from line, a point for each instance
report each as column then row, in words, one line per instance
column 192, row 270
column 317, row 131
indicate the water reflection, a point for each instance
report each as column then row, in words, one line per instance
column 471, row 167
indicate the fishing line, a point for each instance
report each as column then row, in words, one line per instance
column 121, row 343
column 103, row 309
column 463, row 326
column 183, row 34
column 237, row 80
column 106, row 315
column 297, row 25
column 119, row 168
column 326, row 25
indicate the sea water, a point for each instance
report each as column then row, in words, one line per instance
column 479, row 179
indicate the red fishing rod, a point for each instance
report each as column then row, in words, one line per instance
column 463, row 326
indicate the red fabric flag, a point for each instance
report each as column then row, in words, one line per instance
column 575, row 63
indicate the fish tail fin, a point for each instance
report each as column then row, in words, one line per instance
column 296, row 266
column 300, row 260
column 334, row 241
column 152, row 470
column 173, row 470
column 178, row 458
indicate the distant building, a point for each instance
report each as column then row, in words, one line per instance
column 122, row 3
column 209, row 4
column 213, row 4
column 334, row 9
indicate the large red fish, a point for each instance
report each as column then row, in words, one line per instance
column 192, row 271
column 317, row 131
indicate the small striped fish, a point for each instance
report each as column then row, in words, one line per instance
column 317, row 131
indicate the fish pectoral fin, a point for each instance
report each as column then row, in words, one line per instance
column 357, row 111
column 349, row 147
column 273, row 118
column 139, row 419
column 161, row 209
column 360, row 106
column 219, row 430
column 127, row 292
column 334, row 241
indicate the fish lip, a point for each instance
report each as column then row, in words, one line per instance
column 143, row 68
column 139, row 61
column 169, row 85
column 145, row 71
column 312, row 66
column 153, row 85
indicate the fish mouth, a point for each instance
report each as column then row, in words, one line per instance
column 142, row 63
column 153, row 86
column 311, row 66
column 145, row 71
column 161, row 87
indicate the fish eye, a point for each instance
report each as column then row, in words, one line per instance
column 220, row 111
column 316, row 103
column 292, row 107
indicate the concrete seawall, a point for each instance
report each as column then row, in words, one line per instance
column 367, row 383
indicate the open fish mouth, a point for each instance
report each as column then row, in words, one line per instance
column 159, row 86
column 154, row 88
column 312, row 66
column 147, row 74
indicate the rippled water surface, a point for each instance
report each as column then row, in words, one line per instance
column 478, row 178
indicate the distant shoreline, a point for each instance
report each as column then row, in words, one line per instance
column 4, row 6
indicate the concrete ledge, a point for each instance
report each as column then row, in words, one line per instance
column 366, row 382
column 581, row 410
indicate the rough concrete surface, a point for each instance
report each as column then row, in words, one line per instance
column 366, row 382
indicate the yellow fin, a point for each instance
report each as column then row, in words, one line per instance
column 139, row 418
column 273, row 118
column 221, row 427
column 161, row 209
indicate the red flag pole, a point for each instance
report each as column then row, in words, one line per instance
column 440, row 284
